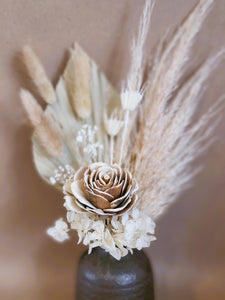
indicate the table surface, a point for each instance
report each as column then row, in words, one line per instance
column 188, row 257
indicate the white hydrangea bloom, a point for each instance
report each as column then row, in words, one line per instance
column 116, row 235
column 59, row 231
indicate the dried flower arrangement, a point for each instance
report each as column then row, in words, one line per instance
column 95, row 144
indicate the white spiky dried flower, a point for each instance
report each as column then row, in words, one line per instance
column 113, row 124
column 131, row 99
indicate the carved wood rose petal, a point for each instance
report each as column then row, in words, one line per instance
column 102, row 189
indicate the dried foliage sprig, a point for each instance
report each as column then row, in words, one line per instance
column 95, row 144
column 177, row 141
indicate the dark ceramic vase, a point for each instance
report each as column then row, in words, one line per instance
column 100, row 276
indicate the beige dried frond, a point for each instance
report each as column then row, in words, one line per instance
column 135, row 74
column 168, row 142
column 38, row 75
column 169, row 63
column 47, row 136
column 132, row 93
column 170, row 66
column 77, row 78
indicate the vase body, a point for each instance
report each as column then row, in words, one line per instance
column 100, row 276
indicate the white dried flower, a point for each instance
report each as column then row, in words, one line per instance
column 62, row 175
column 116, row 235
column 86, row 140
column 113, row 124
column 59, row 231
column 130, row 99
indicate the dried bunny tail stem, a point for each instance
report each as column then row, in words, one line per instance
column 32, row 108
column 49, row 139
column 38, row 75
column 77, row 78
column 132, row 92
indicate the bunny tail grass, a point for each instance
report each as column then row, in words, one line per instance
column 38, row 75
column 49, row 139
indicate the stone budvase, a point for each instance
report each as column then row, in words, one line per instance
column 100, row 276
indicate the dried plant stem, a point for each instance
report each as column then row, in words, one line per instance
column 111, row 149
column 126, row 121
column 38, row 75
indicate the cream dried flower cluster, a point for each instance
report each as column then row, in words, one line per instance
column 60, row 231
column 116, row 235
column 96, row 145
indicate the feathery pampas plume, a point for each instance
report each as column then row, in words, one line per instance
column 167, row 142
column 109, row 140
column 132, row 93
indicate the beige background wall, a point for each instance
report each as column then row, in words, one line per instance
column 188, row 257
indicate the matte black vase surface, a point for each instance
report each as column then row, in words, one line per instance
column 100, row 276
